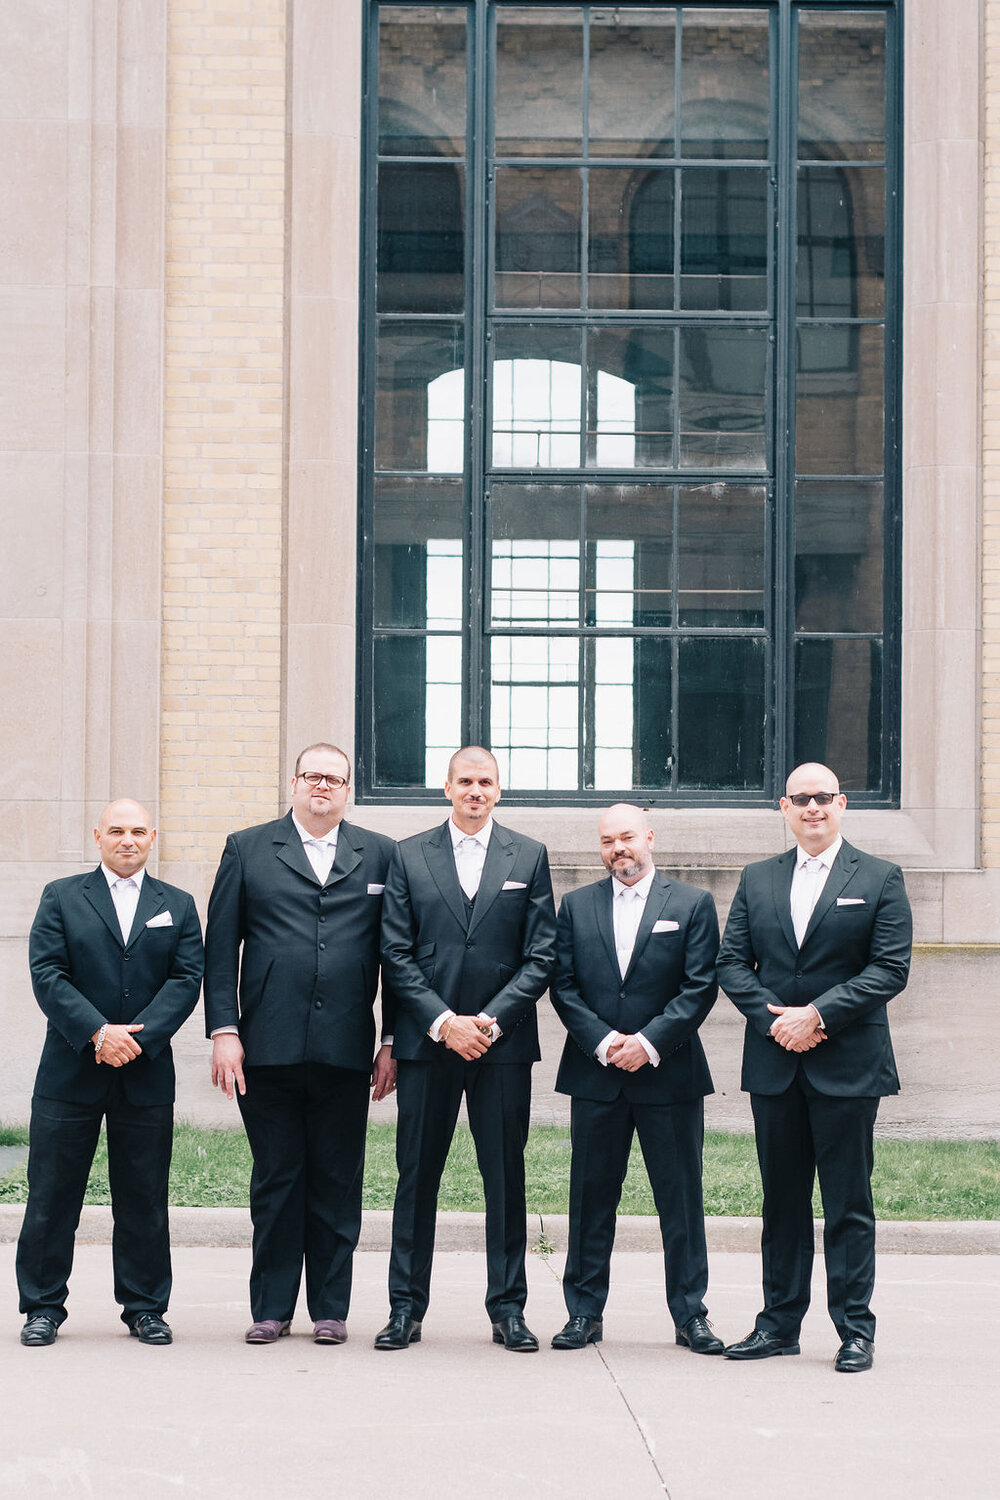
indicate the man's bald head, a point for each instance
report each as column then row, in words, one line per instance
column 125, row 836
column 626, row 842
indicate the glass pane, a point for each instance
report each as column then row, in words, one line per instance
column 614, row 715
column 534, row 710
column 420, row 259
column 420, row 397
column 722, row 381
column 838, row 557
column 417, row 708
column 838, row 709
column 721, row 707
column 720, row 554
column 629, row 398
column 631, row 105
column 841, row 233
column 418, row 526
column 537, row 237
column 724, row 235
column 630, row 551
column 841, row 86
column 841, row 395
column 631, row 238
column 536, row 398
column 539, row 81
column 535, row 577
column 653, row 712
column 421, row 80
column 724, row 87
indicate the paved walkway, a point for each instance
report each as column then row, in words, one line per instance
column 100, row 1416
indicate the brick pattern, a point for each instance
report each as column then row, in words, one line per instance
column 991, row 447
column 224, row 427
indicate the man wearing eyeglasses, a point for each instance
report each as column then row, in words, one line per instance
column 291, row 974
column 817, row 944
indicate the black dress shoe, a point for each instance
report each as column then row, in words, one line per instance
column 400, row 1331
column 149, row 1328
column 697, row 1336
column 854, row 1354
column 761, row 1345
column 578, row 1333
column 514, row 1333
column 39, row 1329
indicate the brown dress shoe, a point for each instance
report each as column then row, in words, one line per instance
column 330, row 1331
column 269, row 1331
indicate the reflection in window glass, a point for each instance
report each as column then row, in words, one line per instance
column 840, row 399
column 721, row 713
column 725, row 108
column 720, row 554
column 421, row 82
column 630, row 241
column 443, row 706
column 841, row 86
column 539, row 79
column 409, row 515
column 838, row 557
column 533, row 710
column 536, row 414
column 614, row 720
column 629, row 397
column 631, row 101
column 838, row 708
column 841, row 242
column 723, row 374
column 535, row 582
column 537, row 237
column 724, row 235
column 420, row 256
column 635, row 523
column 411, row 357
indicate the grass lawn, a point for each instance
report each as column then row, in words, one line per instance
column 912, row 1179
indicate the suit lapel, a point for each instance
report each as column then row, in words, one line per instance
column 441, row 864
column 603, row 899
column 501, row 852
column 98, row 893
column 655, row 902
column 290, row 850
column 151, row 900
column 784, row 869
column 347, row 857
column 841, row 871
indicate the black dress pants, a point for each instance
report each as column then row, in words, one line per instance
column 671, row 1137
column 62, row 1141
column 498, row 1098
column 799, row 1133
column 305, row 1123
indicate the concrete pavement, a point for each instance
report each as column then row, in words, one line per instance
column 98, row 1415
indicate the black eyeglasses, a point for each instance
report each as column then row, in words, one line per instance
column 317, row 778
column 821, row 799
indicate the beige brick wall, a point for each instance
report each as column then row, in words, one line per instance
column 991, row 443
column 224, row 427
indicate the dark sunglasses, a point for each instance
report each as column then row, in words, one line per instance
column 821, row 799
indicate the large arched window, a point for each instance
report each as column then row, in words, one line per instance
column 629, row 397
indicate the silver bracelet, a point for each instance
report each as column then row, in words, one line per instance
column 100, row 1039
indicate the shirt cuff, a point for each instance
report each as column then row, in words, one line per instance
column 651, row 1051
column 822, row 1023
column 387, row 1041
column 225, row 1031
column 601, row 1050
column 434, row 1032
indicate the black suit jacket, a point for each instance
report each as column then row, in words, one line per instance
column 437, row 960
column 855, row 957
column 305, row 988
column 667, row 991
column 83, row 975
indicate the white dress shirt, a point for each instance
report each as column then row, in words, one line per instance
column 125, row 896
column 628, row 903
column 469, row 850
column 811, row 874
column 321, row 849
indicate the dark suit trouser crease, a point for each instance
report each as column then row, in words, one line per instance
column 306, row 1127
column 62, row 1140
column 498, row 1100
column 801, row 1133
column 671, row 1138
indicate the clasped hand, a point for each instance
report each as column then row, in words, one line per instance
column 469, row 1036
column 797, row 1027
column 118, row 1047
column 627, row 1053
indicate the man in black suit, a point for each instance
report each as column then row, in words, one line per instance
column 817, row 943
column 468, row 931
column 293, row 1031
column 634, row 979
column 116, row 964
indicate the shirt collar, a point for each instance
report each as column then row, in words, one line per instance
column 481, row 837
column 827, row 857
column 640, row 889
column 318, row 838
column 113, row 879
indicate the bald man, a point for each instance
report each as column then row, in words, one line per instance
column 116, row 964
column 634, row 979
column 817, row 944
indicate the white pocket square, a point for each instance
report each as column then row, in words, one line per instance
column 666, row 927
column 850, row 900
column 162, row 919
column 375, row 890
column 514, row 885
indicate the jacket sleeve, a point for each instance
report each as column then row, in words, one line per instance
column 74, row 1016
column 684, row 1012
column 177, row 997
column 518, row 998
column 223, row 936
column 401, row 974
column 737, row 967
column 887, row 970
column 584, row 1025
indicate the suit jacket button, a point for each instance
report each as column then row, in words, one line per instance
column 126, row 957
column 468, row 945
column 319, row 1005
column 125, row 995
column 322, row 919
column 322, row 946
column 798, row 973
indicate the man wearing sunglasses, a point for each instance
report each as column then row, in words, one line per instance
column 817, row 943
column 291, row 973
